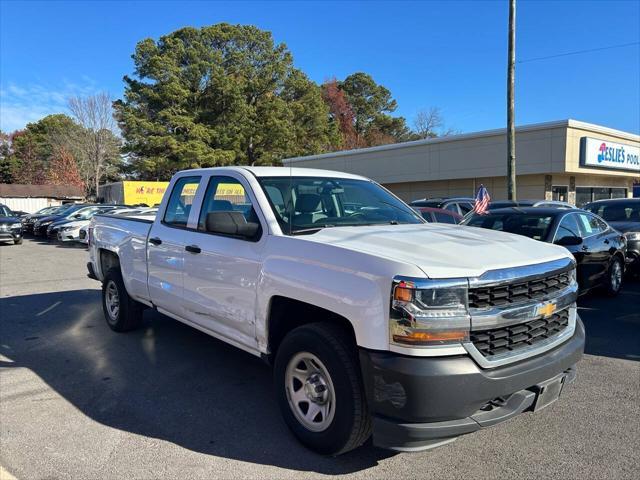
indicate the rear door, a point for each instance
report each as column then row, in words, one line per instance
column 165, row 246
column 221, row 271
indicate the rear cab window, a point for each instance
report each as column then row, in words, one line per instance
column 181, row 201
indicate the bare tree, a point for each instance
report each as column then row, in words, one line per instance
column 428, row 122
column 99, row 143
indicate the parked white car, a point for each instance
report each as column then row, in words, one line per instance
column 375, row 322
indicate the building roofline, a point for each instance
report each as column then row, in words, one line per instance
column 568, row 123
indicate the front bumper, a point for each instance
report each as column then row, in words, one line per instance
column 633, row 255
column 422, row 402
column 10, row 235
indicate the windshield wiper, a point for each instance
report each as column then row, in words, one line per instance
column 310, row 230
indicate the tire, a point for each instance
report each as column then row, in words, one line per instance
column 18, row 241
column 335, row 382
column 614, row 277
column 120, row 310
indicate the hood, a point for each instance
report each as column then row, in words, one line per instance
column 49, row 218
column 625, row 227
column 441, row 250
column 4, row 220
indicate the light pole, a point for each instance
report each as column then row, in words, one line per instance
column 511, row 133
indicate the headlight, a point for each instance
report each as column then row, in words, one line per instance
column 16, row 225
column 429, row 312
column 632, row 235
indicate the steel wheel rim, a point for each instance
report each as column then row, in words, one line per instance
column 112, row 300
column 616, row 276
column 310, row 392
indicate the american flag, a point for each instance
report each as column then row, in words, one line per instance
column 482, row 201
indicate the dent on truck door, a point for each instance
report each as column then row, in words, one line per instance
column 221, row 272
column 166, row 248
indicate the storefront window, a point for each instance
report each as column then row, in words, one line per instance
column 590, row 194
column 560, row 193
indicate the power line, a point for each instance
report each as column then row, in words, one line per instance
column 577, row 52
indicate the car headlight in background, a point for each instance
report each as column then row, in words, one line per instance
column 429, row 312
column 632, row 235
column 16, row 225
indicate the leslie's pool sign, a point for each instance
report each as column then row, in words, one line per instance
column 600, row 154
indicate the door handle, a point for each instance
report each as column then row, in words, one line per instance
column 155, row 241
column 606, row 240
column 193, row 248
column 585, row 248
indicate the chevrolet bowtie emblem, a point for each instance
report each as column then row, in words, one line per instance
column 547, row 309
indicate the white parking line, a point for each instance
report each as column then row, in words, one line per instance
column 49, row 309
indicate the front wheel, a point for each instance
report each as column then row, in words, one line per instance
column 615, row 276
column 319, row 389
column 120, row 310
column 17, row 241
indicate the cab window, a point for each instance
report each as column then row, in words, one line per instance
column 180, row 202
column 226, row 194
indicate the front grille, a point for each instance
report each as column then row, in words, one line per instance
column 515, row 337
column 518, row 292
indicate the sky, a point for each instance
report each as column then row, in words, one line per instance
column 448, row 54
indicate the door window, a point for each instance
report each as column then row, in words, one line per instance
column 442, row 217
column 226, row 194
column 179, row 205
column 589, row 225
column 568, row 228
column 465, row 207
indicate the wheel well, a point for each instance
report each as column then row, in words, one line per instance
column 108, row 260
column 285, row 314
column 620, row 256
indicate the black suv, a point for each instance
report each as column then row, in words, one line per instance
column 623, row 214
column 10, row 226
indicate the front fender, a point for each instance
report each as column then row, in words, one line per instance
column 351, row 284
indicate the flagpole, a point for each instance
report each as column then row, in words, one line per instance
column 511, row 134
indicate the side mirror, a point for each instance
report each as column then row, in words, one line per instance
column 569, row 241
column 231, row 223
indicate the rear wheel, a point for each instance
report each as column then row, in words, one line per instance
column 120, row 310
column 319, row 389
column 614, row 277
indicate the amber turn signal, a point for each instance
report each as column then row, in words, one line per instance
column 419, row 338
column 403, row 294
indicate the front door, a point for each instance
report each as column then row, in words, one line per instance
column 221, row 272
column 165, row 247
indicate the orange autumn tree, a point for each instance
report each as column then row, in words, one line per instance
column 63, row 169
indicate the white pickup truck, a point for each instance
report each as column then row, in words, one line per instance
column 375, row 322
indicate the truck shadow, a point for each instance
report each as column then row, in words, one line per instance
column 613, row 324
column 166, row 380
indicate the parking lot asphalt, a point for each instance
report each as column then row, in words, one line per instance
column 167, row 401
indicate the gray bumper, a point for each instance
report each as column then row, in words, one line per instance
column 422, row 402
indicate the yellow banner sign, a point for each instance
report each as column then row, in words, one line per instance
column 149, row 193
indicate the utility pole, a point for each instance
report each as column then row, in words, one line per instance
column 511, row 132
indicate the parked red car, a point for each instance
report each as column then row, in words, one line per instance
column 439, row 215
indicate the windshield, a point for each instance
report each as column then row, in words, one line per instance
column 5, row 212
column 84, row 213
column 311, row 203
column 620, row 211
column 528, row 224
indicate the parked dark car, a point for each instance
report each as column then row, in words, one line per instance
column 459, row 205
column 599, row 250
column 438, row 215
column 623, row 214
column 29, row 220
column 40, row 226
column 10, row 226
